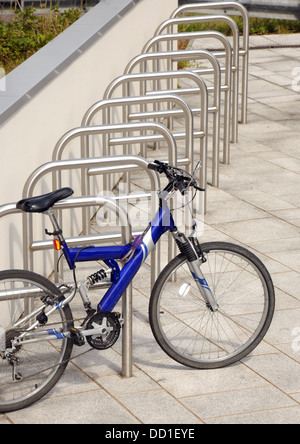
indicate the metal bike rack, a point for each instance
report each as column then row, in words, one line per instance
column 126, row 238
column 243, row 50
column 84, row 132
column 90, row 167
column 164, row 133
column 154, row 44
column 107, row 105
column 140, row 62
column 157, row 128
column 81, row 132
column 169, row 25
column 128, row 81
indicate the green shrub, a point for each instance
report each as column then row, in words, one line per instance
column 27, row 32
column 258, row 26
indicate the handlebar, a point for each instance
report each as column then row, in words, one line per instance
column 178, row 178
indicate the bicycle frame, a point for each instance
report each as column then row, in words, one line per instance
column 162, row 223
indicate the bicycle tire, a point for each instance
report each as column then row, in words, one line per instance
column 14, row 396
column 167, row 318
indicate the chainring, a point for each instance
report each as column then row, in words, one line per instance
column 110, row 330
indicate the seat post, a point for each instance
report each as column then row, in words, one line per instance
column 57, row 230
column 59, row 234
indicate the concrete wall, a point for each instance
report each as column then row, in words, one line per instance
column 49, row 93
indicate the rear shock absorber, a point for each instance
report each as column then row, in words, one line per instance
column 95, row 278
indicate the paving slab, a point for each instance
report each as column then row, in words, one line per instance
column 282, row 416
column 238, row 402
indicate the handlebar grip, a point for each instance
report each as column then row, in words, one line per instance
column 152, row 166
column 181, row 187
column 158, row 166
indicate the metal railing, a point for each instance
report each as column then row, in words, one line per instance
column 140, row 62
column 127, row 82
column 154, row 44
column 167, row 27
column 83, row 132
column 106, row 107
column 243, row 48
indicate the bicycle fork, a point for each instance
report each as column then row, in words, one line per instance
column 189, row 247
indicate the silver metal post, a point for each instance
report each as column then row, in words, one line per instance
column 243, row 51
column 126, row 81
column 194, row 55
column 226, row 88
column 129, row 101
column 168, row 26
column 85, row 132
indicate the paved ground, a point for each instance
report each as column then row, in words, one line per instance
column 257, row 205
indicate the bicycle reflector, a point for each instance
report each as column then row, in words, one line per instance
column 56, row 244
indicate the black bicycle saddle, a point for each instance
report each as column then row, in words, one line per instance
column 42, row 203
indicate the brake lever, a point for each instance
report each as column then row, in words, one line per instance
column 198, row 188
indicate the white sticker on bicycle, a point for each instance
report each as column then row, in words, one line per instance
column 184, row 290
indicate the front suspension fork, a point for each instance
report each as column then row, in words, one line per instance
column 192, row 250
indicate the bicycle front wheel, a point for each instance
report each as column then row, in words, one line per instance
column 186, row 328
column 31, row 368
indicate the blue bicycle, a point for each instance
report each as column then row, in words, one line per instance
column 210, row 307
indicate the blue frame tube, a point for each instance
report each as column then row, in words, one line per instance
column 117, row 289
column 162, row 223
column 90, row 254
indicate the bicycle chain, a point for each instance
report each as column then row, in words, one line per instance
column 55, row 365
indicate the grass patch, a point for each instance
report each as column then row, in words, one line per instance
column 22, row 33
column 258, row 26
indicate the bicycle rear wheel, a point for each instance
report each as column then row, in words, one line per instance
column 188, row 331
column 29, row 370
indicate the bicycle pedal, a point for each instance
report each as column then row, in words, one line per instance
column 77, row 337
